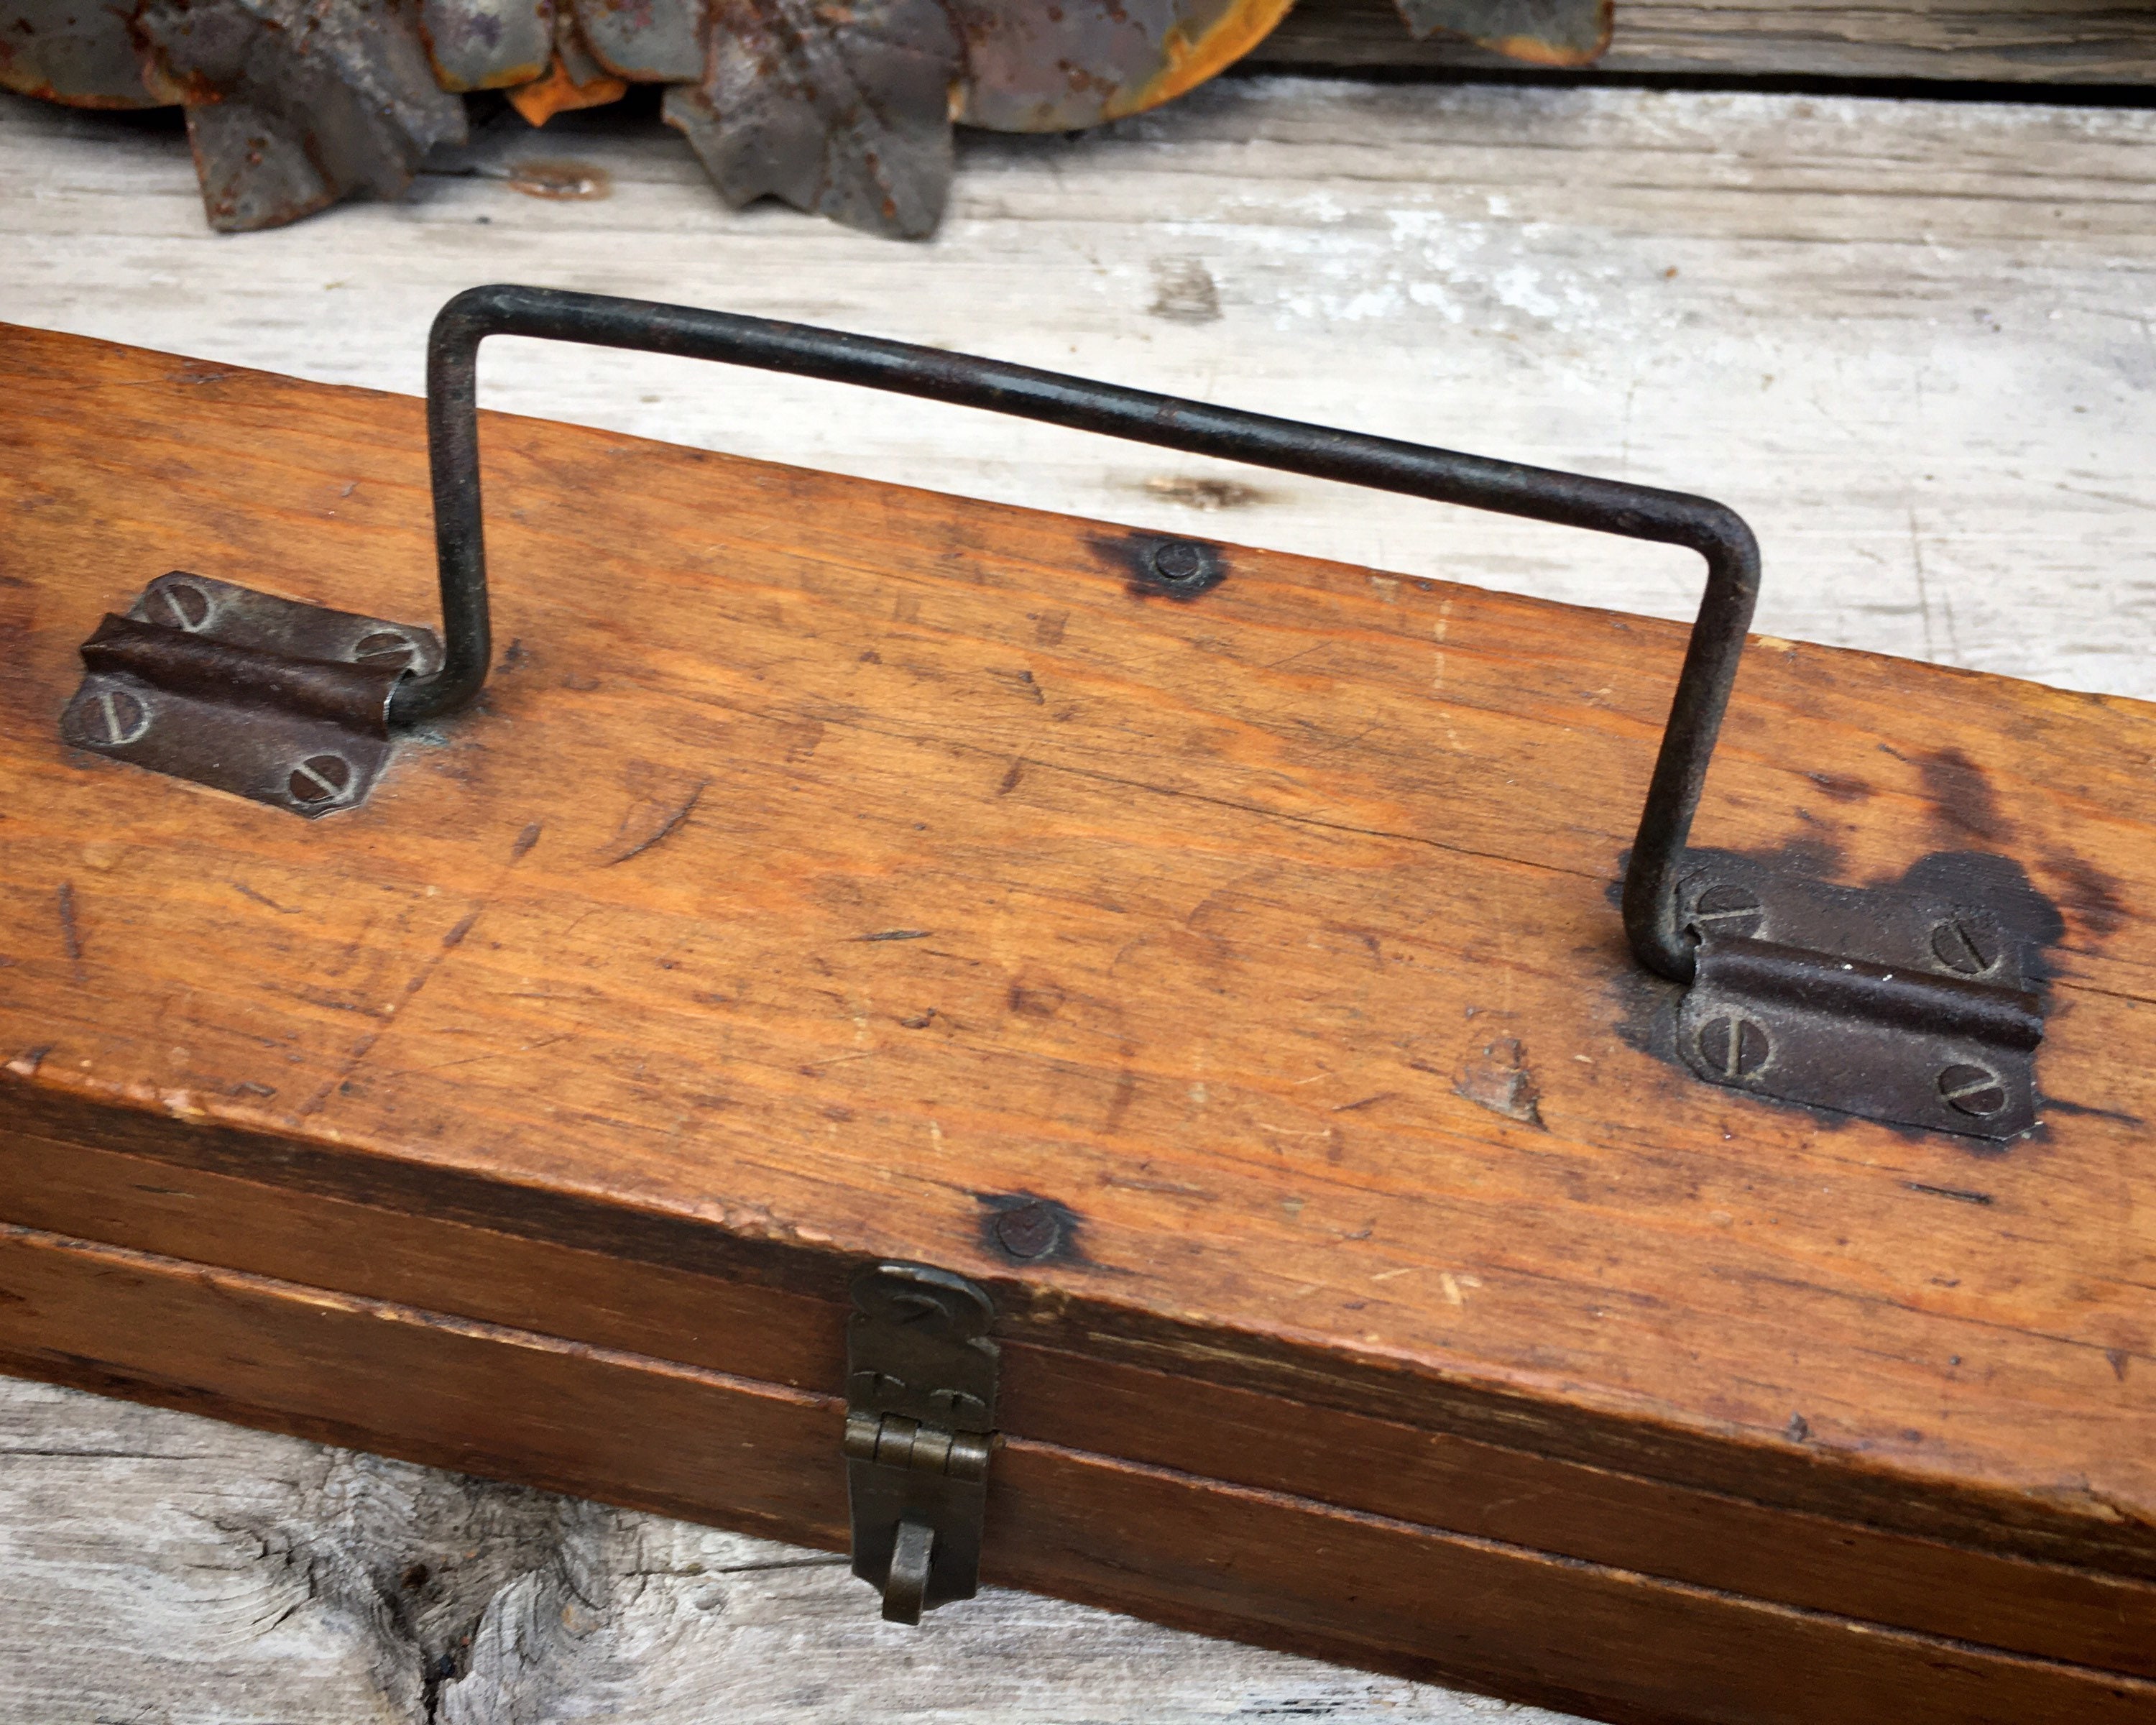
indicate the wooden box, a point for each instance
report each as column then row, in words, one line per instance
column 1234, row 990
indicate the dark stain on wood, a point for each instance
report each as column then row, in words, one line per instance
column 1141, row 557
column 1961, row 798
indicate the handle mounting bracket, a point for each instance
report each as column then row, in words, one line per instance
column 1867, row 1001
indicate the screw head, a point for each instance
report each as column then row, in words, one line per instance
column 384, row 647
column 319, row 779
column 111, row 717
column 1031, row 1230
column 1734, row 1047
column 177, row 605
column 1966, row 947
column 1974, row 1091
column 1727, row 911
column 1178, row 562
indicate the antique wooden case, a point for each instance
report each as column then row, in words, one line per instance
column 1214, row 999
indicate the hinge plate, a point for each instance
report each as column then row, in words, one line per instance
column 921, row 1409
column 1893, row 1007
column 283, row 702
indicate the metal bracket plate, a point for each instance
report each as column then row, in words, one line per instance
column 268, row 698
column 921, row 1409
column 1899, row 1008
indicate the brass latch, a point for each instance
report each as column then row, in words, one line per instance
column 921, row 1409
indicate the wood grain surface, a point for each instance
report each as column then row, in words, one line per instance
column 2087, row 42
column 1943, row 302
column 1017, row 882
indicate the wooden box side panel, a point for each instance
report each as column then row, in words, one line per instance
column 1265, row 1565
column 1450, row 1482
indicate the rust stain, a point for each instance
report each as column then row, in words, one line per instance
column 559, row 93
column 566, row 180
column 1204, row 493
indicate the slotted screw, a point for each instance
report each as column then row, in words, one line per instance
column 383, row 647
column 319, row 778
column 113, row 716
column 1727, row 912
column 1973, row 1091
column 1734, row 1047
column 178, row 604
column 1965, row 946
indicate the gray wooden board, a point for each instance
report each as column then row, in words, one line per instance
column 2087, row 42
column 156, row 1568
column 1911, row 341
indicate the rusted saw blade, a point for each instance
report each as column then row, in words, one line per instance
column 1545, row 33
column 575, row 80
column 844, row 107
column 79, row 52
column 838, row 106
column 294, row 104
column 647, row 41
column 1059, row 68
column 487, row 45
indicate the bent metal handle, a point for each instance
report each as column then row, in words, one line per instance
column 1716, row 533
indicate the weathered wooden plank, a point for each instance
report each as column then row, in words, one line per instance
column 209, row 1574
column 2080, row 42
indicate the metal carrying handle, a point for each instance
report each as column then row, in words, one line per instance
column 1716, row 532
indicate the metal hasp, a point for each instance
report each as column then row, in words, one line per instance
column 1898, row 1008
column 920, row 1410
column 284, row 702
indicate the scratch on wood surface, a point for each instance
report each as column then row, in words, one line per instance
column 263, row 899
column 343, row 1075
column 1958, row 1194
column 525, row 840
column 1499, row 1080
column 670, row 822
column 893, row 934
column 70, row 932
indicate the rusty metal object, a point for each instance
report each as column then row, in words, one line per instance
column 1883, row 1004
column 575, row 80
column 844, row 110
column 1544, row 33
column 268, row 698
column 1059, row 68
column 487, row 45
column 294, row 104
column 79, row 52
column 844, row 107
column 646, row 41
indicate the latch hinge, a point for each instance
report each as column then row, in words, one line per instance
column 284, row 702
column 1894, row 1006
column 921, row 1408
